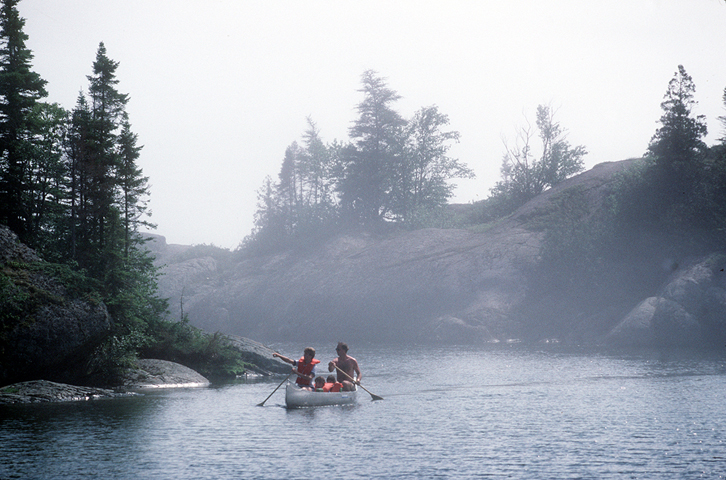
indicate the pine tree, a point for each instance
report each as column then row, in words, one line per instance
column 677, row 145
column 77, row 148
column 370, row 163
column 20, row 89
column 108, row 196
column 107, row 113
column 49, row 179
column 134, row 188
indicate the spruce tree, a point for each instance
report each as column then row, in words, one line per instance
column 677, row 146
column 20, row 89
column 366, row 187
column 108, row 199
column 107, row 112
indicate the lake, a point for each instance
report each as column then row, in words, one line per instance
column 496, row 411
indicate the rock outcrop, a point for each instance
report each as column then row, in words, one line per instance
column 44, row 328
column 690, row 310
column 41, row 391
column 431, row 285
column 149, row 374
column 258, row 356
column 152, row 373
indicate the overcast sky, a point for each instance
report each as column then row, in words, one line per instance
column 219, row 88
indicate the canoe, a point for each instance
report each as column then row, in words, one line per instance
column 296, row 397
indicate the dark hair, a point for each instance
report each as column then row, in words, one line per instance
column 331, row 379
column 309, row 350
column 343, row 345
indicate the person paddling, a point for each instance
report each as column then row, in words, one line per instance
column 303, row 368
column 348, row 365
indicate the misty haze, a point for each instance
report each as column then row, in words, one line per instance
column 389, row 240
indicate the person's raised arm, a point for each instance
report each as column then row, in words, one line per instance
column 284, row 358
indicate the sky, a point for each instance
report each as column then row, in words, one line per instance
column 219, row 88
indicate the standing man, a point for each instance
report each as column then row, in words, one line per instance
column 304, row 368
column 348, row 365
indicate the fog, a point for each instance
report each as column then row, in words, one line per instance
column 220, row 88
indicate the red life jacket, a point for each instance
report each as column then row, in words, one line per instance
column 332, row 387
column 307, row 369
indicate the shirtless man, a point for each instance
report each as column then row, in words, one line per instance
column 347, row 364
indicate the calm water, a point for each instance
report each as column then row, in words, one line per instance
column 490, row 412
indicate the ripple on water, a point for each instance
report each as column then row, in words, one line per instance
column 518, row 413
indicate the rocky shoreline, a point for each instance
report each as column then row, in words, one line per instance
column 149, row 374
column 41, row 391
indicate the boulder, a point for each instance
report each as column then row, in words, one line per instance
column 690, row 310
column 636, row 328
column 45, row 329
column 152, row 373
column 40, row 391
column 259, row 356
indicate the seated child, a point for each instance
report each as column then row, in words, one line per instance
column 319, row 384
column 331, row 385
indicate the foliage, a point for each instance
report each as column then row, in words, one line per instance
column 423, row 177
column 71, row 188
column 524, row 175
column 212, row 355
column 677, row 145
column 392, row 172
column 20, row 89
column 115, row 355
column 670, row 204
column 369, row 163
column 678, row 191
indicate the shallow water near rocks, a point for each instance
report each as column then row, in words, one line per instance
column 449, row 412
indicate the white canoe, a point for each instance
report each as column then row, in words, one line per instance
column 296, row 397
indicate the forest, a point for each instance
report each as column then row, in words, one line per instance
column 72, row 189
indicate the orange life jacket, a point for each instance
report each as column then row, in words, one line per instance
column 306, row 369
column 332, row 387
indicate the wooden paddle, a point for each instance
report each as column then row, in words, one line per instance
column 261, row 404
column 373, row 395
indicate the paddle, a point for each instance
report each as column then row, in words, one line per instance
column 261, row 404
column 373, row 395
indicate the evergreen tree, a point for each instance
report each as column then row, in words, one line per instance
column 107, row 112
column 77, row 147
column 370, row 163
column 677, row 146
column 289, row 191
column 20, row 89
column 134, row 188
column 316, row 169
column 269, row 230
column 107, row 199
column 49, row 179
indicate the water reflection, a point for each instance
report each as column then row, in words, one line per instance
column 451, row 413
